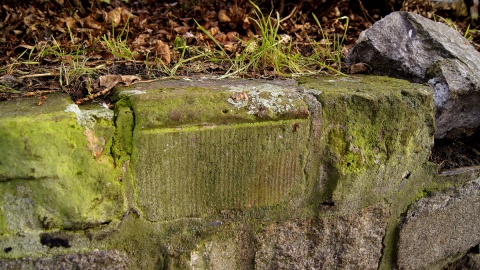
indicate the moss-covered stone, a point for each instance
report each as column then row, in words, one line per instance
column 214, row 146
column 376, row 133
column 54, row 173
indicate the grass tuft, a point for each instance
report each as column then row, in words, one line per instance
column 272, row 53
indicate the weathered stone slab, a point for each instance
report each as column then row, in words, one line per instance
column 409, row 46
column 55, row 173
column 348, row 242
column 211, row 146
column 99, row 259
column 440, row 226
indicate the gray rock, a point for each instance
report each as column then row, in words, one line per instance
column 440, row 226
column 409, row 46
column 349, row 242
column 99, row 259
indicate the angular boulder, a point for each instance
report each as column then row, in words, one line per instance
column 409, row 46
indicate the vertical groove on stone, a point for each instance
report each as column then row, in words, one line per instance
column 187, row 173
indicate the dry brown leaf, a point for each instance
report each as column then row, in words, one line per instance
column 230, row 47
column 246, row 23
column 126, row 15
column 236, row 13
column 108, row 56
column 359, row 68
column 92, row 23
column 163, row 51
column 141, row 40
column 70, row 22
column 232, row 36
column 181, row 29
column 113, row 16
column 214, row 31
column 223, row 16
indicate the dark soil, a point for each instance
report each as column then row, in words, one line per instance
column 451, row 154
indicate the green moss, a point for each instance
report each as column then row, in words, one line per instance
column 374, row 129
column 123, row 139
column 57, row 174
column 3, row 222
column 221, row 103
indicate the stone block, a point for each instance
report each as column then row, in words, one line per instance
column 216, row 145
column 54, row 172
column 347, row 242
column 374, row 137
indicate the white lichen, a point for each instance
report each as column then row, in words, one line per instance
column 264, row 96
column 88, row 118
column 126, row 93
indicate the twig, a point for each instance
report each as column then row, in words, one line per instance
column 37, row 75
column 365, row 12
column 93, row 96
column 294, row 10
column 38, row 92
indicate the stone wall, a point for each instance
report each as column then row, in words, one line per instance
column 319, row 173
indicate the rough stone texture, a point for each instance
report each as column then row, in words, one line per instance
column 440, row 226
column 409, row 46
column 348, row 242
column 55, row 173
column 99, row 259
column 222, row 151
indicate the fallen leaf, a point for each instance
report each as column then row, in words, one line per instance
column 92, row 23
column 236, row 13
column 214, row 30
column 108, row 56
column 359, row 68
column 223, row 17
column 110, row 81
column 181, row 29
column 163, row 51
column 114, row 16
column 70, row 22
